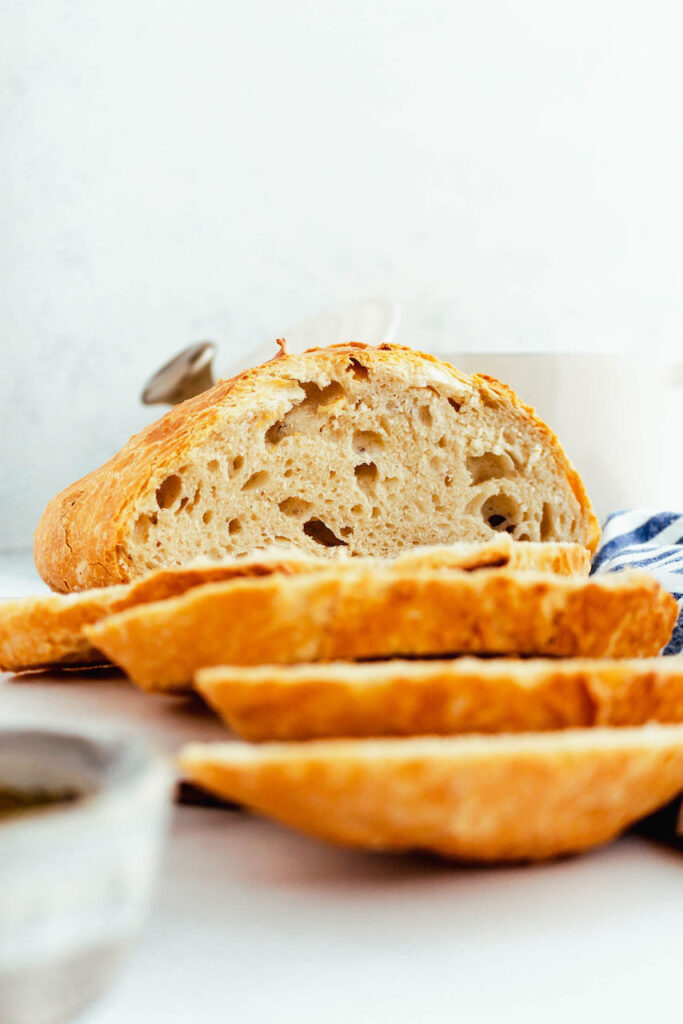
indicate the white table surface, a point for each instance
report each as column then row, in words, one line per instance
column 254, row 924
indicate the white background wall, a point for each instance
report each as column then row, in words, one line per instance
column 511, row 172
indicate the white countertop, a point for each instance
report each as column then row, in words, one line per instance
column 255, row 924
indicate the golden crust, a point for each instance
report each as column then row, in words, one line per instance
column 79, row 542
column 37, row 632
column 363, row 614
column 406, row 698
column 48, row 630
column 495, row 798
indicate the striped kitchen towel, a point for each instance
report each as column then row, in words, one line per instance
column 643, row 539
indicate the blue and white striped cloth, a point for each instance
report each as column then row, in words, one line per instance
column 642, row 539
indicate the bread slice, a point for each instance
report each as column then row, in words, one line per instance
column 405, row 698
column 489, row 798
column 370, row 450
column 368, row 613
column 47, row 631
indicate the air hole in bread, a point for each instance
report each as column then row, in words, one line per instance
column 322, row 534
column 367, row 440
column 294, row 507
column 366, row 475
column 142, row 526
column 501, row 512
column 489, row 467
column 455, row 405
column 213, row 466
column 547, row 522
column 234, row 526
column 168, row 491
column 447, row 480
column 346, row 531
column 208, row 516
column 317, row 397
column 425, row 415
column 195, row 498
column 375, row 512
column 237, row 463
column 141, row 529
column 302, row 416
column 357, row 368
column 186, row 505
column 255, row 480
column 274, row 432
column 356, row 509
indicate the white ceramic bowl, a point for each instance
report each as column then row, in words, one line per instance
column 75, row 878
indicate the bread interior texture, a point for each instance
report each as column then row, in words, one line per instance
column 343, row 457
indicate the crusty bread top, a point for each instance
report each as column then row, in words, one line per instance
column 87, row 535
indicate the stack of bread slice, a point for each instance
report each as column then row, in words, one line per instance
column 481, row 697
column 551, row 775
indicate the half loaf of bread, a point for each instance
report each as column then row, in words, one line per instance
column 368, row 450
